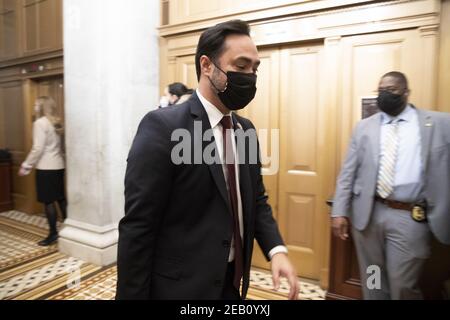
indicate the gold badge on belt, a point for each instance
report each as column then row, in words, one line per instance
column 418, row 213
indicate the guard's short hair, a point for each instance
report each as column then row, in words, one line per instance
column 399, row 76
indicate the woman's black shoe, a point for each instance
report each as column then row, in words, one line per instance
column 51, row 239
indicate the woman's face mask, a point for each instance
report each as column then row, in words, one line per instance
column 239, row 91
column 164, row 102
column 173, row 99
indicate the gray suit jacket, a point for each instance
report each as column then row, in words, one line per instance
column 356, row 185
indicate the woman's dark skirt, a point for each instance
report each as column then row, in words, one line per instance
column 50, row 185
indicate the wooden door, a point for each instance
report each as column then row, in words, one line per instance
column 14, row 130
column 263, row 111
column 302, row 215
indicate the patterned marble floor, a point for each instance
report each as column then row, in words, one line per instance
column 29, row 272
column 18, row 239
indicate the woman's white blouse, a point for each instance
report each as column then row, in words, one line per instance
column 46, row 153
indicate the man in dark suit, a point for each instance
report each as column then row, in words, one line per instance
column 189, row 222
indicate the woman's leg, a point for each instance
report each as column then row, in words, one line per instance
column 50, row 212
column 52, row 217
column 63, row 207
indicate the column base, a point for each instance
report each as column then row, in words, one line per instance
column 93, row 244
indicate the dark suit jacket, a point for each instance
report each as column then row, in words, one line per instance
column 174, row 240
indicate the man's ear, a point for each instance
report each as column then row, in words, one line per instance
column 205, row 65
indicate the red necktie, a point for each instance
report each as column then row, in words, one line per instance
column 228, row 155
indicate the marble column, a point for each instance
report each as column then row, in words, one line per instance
column 111, row 71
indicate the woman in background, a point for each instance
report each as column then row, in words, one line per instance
column 47, row 157
column 175, row 93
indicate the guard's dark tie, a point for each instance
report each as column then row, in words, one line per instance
column 229, row 159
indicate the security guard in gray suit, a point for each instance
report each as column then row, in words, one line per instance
column 394, row 187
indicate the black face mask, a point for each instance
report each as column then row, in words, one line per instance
column 390, row 103
column 239, row 90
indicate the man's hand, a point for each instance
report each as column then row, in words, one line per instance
column 340, row 227
column 282, row 267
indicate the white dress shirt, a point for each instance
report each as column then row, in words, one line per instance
column 408, row 180
column 215, row 116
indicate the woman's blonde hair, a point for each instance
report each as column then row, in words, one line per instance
column 47, row 108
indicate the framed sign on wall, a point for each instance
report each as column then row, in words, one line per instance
column 369, row 106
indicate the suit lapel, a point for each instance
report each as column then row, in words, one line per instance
column 374, row 132
column 199, row 114
column 426, row 132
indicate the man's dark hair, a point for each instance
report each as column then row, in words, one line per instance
column 212, row 41
column 179, row 89
column 401, row 78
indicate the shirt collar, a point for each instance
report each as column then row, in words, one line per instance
column 214, row 114
column 407, row 115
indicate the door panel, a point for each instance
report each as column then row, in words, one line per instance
column 185, row 71
column 42, row 23
column 264, row 113
column 11, row 104
column 8, row 29
column 302, row 211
